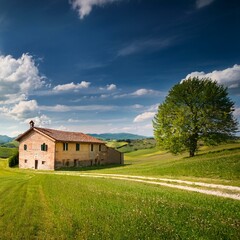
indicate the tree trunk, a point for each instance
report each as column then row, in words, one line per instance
column 193, row 145
column 191, row 153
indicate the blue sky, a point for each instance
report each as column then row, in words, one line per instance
column 105, row 65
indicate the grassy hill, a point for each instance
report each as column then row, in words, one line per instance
column 220, row 164
column 116, row 144
column 6, row 152
column 117, row 136
column 53, row 206
column 12, row 144
column 139, row 144
column 132, row 145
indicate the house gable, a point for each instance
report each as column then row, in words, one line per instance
column 28, row 132
column 32, row 154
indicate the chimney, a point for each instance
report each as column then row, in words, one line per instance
column 31, row 124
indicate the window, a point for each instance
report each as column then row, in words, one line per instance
column 77, row 146
column 25, row 161
column 25, row 147
column 100, row 148
column 43, row 162
column 44, row 147
column 91, row 147
column 65, row 146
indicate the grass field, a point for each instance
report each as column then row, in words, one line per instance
column 50, row 206
column 13, row 144
column 132, row 145
column 116, row 144
column 220, row 164
column 135, row 145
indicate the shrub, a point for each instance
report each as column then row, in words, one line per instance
column 13, row 160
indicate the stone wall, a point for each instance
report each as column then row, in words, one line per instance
column 115, row 156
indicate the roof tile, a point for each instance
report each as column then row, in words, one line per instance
column 64, row 136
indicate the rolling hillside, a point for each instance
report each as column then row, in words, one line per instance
column 101, row 208
column 5, row 139
column 117, row 136
column 219, row 164
column 6, row 152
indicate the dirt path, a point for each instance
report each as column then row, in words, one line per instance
column 219, row 190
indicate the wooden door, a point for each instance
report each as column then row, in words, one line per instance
column 36, row 164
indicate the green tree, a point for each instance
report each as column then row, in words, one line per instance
column 195, row 109
column 13, row 160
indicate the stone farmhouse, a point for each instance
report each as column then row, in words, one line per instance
column 49, row 149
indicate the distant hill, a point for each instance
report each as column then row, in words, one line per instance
column 117, row 136
column 5, row 139
column 13, row 144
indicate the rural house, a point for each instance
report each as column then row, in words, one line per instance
column 49, row 149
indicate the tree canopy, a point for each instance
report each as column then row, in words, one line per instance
column 195, row 109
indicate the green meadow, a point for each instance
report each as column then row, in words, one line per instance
column 219, row 164
column 116, row 144
column 132, row 145
column 50, row 206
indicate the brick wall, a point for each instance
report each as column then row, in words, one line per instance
column 86, row 156
column 33, row 157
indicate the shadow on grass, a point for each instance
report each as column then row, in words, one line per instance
column 213, row 152
column 91, row 168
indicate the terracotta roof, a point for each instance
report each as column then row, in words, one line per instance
column 64, row 136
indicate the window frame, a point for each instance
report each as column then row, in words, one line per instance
column 65, row 146
column 78, row 147
column 44, row 147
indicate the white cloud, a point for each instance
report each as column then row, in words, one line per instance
column 63, row 128
column 153, row 108
column 135, row 128
column 237, row 112
column 84, row 7
column 74, row 120
column 136, row 106
column 109, row 87
column 71, row 86
column 144, row 116
column 141, row 92
column 104, row 96
column 21, row 110
column 203, row 3
column 229, row 77
column 25, row 111
column 93, row 121
column 65, row 108
column 40, row 121
column 18, row 77
column 145, row 45
column 68, row 108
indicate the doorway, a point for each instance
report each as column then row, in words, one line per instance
column 75, row 162
column 36, row 164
